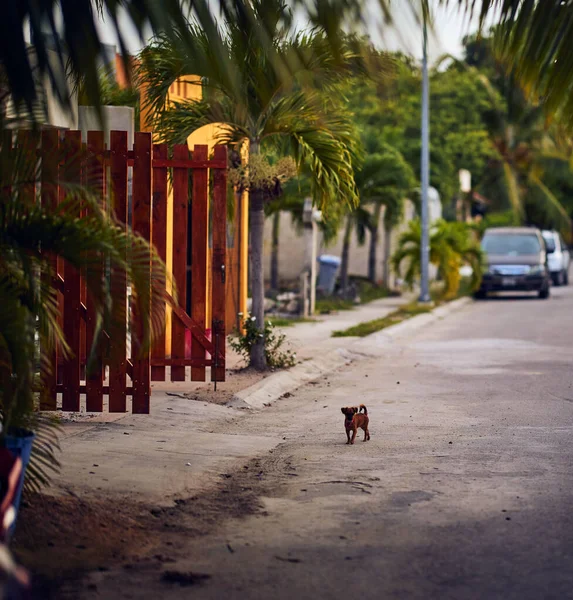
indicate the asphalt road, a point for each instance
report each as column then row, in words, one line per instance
column 464, row 491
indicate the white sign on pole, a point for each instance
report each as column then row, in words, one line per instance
column 465, row 180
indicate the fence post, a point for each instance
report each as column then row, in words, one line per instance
column 159, row 236
column 180, row 204
column 49, row 198
column 199, row 229
column 142, row 225
column 118, row 345
column 94, row 372
column 72, row 288
column 219, row 267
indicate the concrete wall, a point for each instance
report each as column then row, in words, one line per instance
column 291, row 248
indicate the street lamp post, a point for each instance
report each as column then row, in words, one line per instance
column 425, row 175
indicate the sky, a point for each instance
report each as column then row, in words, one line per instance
column 450, row 26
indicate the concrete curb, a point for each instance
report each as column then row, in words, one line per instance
column 274, row 386
column 385, row 336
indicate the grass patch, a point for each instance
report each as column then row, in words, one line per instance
column 395, row 317
column 367, row 292
column 333, row 304
column 286, row 322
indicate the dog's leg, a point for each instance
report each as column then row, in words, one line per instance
column 348, row 436
column 366, row 434
column 354, row 432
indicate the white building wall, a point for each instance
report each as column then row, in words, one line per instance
column 116, row 118
column 291, row 248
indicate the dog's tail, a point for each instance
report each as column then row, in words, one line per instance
column 362, row 407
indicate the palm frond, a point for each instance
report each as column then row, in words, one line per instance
column 534, row 41
column 183, row 118
column 190, row 58
column 553, row 203
column 44, row 458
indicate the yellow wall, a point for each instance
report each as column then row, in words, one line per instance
column 237, row 257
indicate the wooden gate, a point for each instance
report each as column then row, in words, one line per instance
column 159, row 180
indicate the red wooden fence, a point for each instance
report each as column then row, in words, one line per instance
column 64, row 158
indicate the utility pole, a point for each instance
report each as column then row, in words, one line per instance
column 425, row 175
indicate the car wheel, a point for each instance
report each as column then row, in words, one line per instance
column 544, row 292
column 480, row 295
column 566, row 277
column 557, row 279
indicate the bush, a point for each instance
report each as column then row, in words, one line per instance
column 276, row 357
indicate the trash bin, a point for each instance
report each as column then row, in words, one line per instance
column 327, row 274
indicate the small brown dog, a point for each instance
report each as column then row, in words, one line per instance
column 355, row 419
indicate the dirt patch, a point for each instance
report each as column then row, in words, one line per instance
column 58, row 538
column 61, row 539
column 236, row 380
column 184, row 579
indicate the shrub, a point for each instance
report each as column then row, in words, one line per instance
column 276, row 356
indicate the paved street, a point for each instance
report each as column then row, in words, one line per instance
column 465, row 490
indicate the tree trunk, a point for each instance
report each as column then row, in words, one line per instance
column 257, row 225
column 374, row 243
column 257, row 228
column 275, row 252
column 345, row 255
column 386, row 258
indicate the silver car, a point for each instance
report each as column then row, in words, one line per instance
column 558, row 257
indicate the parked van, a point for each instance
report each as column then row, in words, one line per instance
column 516, row 261
column 558, row 257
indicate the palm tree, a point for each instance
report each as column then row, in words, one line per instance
column 519, row 135
column 452, row 245
column 523, row 143
column 384, row 180
column 256, row 107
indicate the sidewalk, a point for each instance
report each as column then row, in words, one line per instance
column 306, row 338
column 190, row 435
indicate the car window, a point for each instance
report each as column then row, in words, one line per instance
column 511, row 244
column 550, row 243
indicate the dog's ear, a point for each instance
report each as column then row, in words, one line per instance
column 354, row 409
column 343, row 410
